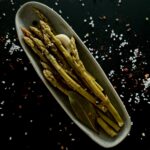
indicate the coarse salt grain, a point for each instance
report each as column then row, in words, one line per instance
column 85, row 20
column 119, row 1
column 31, row 121
column 12, row 2
column 2, row 115
column 137, row 99
column 91, row 23
column 56, row 3
column 13, row 84
column 123, row 44
column 3, row 82
column 117, row 19
column 111, row 73
column 72, row 139
column 96, row 57
column 112, row 34
column 60, row 11
column 146, row 83
column 2, row 102
column 14, row 48
column 83, row 4
column 10, row 138
column 146, row 18
column 8, row 41
column 86, row 35
column 136, row 52
column 25, row 69
column 90, row 17
column 143, row 134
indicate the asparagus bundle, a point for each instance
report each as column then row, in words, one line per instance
column 63, row 68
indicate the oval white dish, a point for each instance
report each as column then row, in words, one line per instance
column 24, row 18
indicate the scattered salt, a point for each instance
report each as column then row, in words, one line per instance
column 146, row 83
column 112, row 34
column 106, row 30
column 137, row 99
column 10, row 138
column 26, row 133
column 25, row 69
column 12, row 2
column 13, row 84
column 91, row 23
column 83, row 4
column 72, row 139
column 146, row 18
column 3, row 82
column 2, row 115
column 2, row 102
column 56, row 3
column 143, row 134
column 86, row 35
column 127, row 25
column 130, row 99
column 85, row 20
column 8, row 41
column 123, row 44
column 60, row 11
column 96, row 57
column 31, row 121
column 117, row 19
column 90, row 17
column 111, row 73
column 14, row 48
column 136, row 52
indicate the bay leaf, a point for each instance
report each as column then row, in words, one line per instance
column 83, row 110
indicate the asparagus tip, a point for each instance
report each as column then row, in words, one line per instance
column 25, row 31
column 120, row 124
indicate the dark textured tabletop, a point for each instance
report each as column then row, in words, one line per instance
column 117, row 33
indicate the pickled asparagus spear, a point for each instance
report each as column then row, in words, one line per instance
column 74, row 53
column 37, row 32
column 29, row 42
column 106, row 128
column 108, row 121
column 49, row 76
column 40, row 15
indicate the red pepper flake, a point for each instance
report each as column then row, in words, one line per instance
column 2, row 39
column 125, row 69
column 130, row 75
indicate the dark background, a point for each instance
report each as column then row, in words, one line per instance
column 31, row 119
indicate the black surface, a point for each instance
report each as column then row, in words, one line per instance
column 30, row 118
